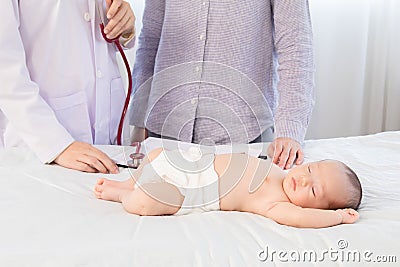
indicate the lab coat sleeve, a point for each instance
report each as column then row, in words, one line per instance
column 143, row 71
column 20, row 100
column 127, row 43
column 294, row 49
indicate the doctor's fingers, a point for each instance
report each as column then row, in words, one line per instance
column 75, row 165
column 68, row 160
column 95, row 158
column 118, row 26
column 123, row 21
column 83, row 167
column 77, row 154
column 91, row 163
column 112, row 7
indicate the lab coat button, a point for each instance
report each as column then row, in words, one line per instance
column 197, row 69
column 98, row 74
column 201, row 37
column 86, row 16
column 193, row 101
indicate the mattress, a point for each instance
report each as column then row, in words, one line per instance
column 50, row 217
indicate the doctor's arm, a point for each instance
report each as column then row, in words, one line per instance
column 289, row 214
column 28, row 113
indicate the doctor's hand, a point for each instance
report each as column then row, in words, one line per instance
column 286, row 152
column 85, row 157
column 121, row 19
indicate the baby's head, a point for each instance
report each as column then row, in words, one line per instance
column 326, row 184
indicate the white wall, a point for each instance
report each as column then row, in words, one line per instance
column 357, row 83
column 340, row 45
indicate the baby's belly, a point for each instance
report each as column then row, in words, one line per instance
column 240, row 175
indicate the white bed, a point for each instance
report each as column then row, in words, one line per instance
column 49, row 217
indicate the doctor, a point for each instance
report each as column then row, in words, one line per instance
column 61, row 90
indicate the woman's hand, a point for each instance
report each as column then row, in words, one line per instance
column 285, row 152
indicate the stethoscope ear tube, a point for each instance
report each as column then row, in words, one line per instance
column 128, row 71
column 128, row 95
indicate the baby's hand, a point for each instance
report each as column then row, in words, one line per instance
column 348, row 215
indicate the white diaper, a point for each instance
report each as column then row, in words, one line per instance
column 191, row 172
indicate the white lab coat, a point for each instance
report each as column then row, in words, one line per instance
column 59, row 78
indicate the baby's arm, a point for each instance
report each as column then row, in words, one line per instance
column 289, row 214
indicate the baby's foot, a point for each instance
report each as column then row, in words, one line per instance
column 128, row 184
column 110, row 190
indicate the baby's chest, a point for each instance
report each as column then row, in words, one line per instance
column 267, row 194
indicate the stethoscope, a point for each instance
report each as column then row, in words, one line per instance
column 137, row 156
column 115, row 41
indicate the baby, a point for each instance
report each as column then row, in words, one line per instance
column 314, row 195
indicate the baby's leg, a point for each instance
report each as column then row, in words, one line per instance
column 106, row 184
column 149, row 199
column 152, row 199
column 146, row 160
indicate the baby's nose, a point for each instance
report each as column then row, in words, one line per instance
column 304, row 181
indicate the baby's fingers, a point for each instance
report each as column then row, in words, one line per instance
column 351, row 216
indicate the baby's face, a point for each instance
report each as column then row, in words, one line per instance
column 315, row 184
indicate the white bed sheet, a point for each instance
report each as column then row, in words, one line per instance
column 49, row 217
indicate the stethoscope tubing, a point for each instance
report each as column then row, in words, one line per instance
column 128, row 71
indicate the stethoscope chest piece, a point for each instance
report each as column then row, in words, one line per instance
column 136, row 157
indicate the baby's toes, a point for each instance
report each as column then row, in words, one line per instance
column 99, row 188
column 97, row 194
column 100, row 181
column 98, row 191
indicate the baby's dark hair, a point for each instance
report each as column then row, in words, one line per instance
column 355, row 190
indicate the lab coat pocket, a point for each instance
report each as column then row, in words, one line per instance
column 72, row 112
column 117, row 94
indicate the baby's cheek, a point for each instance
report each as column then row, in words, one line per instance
column 303, row 201
column 295, row 199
